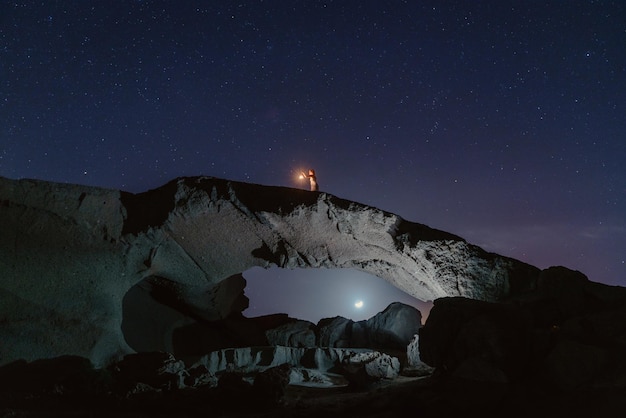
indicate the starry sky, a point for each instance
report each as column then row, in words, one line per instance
column 503, row 122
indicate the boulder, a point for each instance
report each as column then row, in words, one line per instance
column 365, row 368
column 392, row 328
column 65, row 375
column 270, row 385
column 334, row 332
column 293, row 334
column 568, row 333
column 301, row 376
column 378, row 365
column 459, row 329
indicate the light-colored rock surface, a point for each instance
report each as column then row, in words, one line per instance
column 255, row 359
column 376, row 364
column 64, row 269
column 415, row 365
column 69, row 254
column 312, row 363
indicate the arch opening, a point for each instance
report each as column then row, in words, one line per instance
column 316, row 293
column 151, row 323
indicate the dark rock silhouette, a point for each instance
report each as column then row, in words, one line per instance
column 296, row 333
column 270, row 385
column 569, row 334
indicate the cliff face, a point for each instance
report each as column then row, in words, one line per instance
column 70, row 254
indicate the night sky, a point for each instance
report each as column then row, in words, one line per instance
column 503, row 122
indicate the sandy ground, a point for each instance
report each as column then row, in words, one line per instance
column 298, row 401
column 420, row 397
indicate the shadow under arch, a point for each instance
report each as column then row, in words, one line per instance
column 155, row 309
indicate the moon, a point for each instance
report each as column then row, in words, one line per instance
column 358, row 304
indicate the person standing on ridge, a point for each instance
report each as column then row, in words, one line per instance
column 312, row 179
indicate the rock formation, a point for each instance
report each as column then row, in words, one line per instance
column 248, row 360
column 74, row 258
column 415, row 366
column 293, row 334
column 569, row 334
column 392, row 328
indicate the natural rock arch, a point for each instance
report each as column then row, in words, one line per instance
column 69, row 255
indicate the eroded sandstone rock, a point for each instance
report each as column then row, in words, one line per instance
column 293, row 334
column 415, row 366
column 568, row 333
column 70, row 254
column 392, row 328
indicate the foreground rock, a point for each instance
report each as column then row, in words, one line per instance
column 66, row 375
column 270, row 368
column 363, row 369
column 233, row 395
column 568, row 334
column 252, row 360
column 99, row 273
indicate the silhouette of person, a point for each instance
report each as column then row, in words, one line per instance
column 312, row 179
